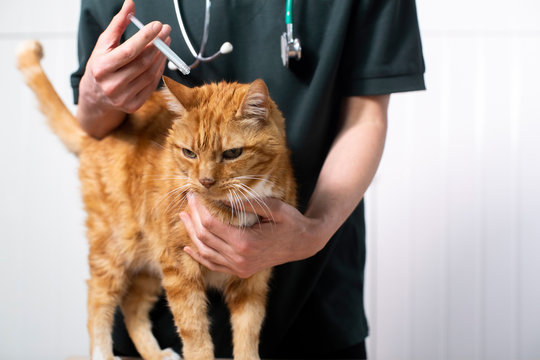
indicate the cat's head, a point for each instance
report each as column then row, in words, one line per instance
column 228, row 139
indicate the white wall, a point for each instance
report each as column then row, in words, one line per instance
column 453, row 216
column 42, row 244
column 454, row 239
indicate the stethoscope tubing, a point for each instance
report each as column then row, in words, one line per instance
column 290, row 46
column 198, row 56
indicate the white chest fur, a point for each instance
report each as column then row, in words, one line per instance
column 261, row 190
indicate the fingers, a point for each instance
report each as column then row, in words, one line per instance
column 119, row 78
column 205, row 226
column 122, row 54
column 146, row 84
column 202, row 252
column 128, row 87
column 140, row 78
column 204, row 261
column 147, row 60
column 225, row 248
column 134, row 46
column 110, row 38
column 203, row 229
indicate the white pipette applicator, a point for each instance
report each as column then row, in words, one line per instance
column 161, row 46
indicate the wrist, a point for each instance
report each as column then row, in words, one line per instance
column 325, row 218
column 96, row 117
column 319, row 231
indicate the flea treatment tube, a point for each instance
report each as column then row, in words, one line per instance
column 161, row 46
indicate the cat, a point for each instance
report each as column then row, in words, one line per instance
column 223, row 142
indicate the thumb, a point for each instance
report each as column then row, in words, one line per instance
column 110, row 38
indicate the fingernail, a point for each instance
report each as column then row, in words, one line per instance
column 183, row 216
column 156, row 26
column 166, row 29
column 126, row 3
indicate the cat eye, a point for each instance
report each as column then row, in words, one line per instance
column 189, row 154
column 232, row 153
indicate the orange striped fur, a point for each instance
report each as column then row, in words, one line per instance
column 134, row 184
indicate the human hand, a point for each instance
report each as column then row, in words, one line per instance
column 119, row 78
column 282, row 236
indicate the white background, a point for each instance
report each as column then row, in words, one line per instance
column 453, row 214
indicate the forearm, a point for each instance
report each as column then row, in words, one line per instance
column 350, row 165
column 346, row 173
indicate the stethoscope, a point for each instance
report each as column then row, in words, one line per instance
column 290, row 47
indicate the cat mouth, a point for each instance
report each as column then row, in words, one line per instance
column 223, row 204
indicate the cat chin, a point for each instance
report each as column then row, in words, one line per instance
column 223, row 205
column 223, row 210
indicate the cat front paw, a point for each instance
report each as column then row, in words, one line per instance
column 170, row 354
column 99, row 355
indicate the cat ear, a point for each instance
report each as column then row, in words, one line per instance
column 179, row 97
column 255, row 105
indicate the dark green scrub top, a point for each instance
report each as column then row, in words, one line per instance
column 349, row 48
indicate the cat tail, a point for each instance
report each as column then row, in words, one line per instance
column 61, row 120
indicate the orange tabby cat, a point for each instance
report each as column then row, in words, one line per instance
column 223, row 142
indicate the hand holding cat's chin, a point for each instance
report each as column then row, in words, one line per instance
column 283, row 236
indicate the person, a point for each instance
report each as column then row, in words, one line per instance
column 335, row 100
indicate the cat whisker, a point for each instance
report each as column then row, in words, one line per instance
column 172, row 203
column 259, row 199
column 242, row 214
column 231, row 202
column 180, row 189
column 169, row 177
column 236, row 206
column 257, row 177
column 250, row 195
column 246, row 196
column 160, row 145
column 183, row 200
column 263, row 178
column 240, row 210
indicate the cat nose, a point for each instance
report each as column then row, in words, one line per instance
column 206, row 182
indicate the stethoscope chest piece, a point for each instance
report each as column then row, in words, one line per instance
column 290, row 46
column 290, row 49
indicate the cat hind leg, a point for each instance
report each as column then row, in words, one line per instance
column 136, row 304
column 104, row 294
